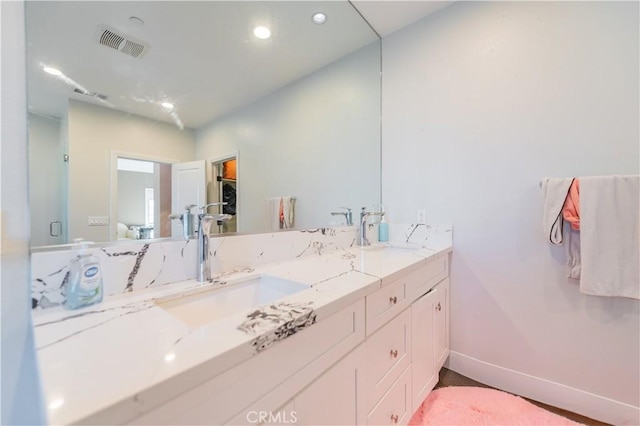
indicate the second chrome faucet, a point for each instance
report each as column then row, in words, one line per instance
column 362, row 229
column 204, row 227
column 348, row 216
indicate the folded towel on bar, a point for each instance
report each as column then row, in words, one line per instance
column 610, row 240
column 554, row 191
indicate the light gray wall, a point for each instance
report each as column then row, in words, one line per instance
column 307, row 140
column 20, row 388
column 480, row 101
column 94, row 133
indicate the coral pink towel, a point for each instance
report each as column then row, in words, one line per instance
column 460, row 406
column 571, row 208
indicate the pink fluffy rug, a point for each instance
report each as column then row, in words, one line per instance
column 461, row 406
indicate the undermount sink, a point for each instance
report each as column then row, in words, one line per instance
column 204, row 306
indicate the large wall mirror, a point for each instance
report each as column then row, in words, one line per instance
column 125, row 96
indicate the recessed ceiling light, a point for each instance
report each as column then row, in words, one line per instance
column 52, row 71
column 262, row 33
column 167, row 105
column 319, row 18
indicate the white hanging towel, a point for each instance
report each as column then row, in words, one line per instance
column 574, row 260
column 280, row 212
column 273, row 213
column 554, row 191
column 610, row 236
column 287, row 216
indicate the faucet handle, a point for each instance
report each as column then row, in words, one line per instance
column 346, row 208
column 204, row 208
column 188, row 207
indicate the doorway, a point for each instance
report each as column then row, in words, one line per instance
column 223, row 187
column 143, row 199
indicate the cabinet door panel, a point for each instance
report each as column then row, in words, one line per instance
column 424, row 374
column 441, row 325
column 336, row 397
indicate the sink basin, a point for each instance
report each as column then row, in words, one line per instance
column 205, row 306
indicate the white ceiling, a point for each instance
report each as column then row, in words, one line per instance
column 202, row 57
column 387, row 16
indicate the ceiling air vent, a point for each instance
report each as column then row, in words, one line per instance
column 91, row 94
column 114, row 39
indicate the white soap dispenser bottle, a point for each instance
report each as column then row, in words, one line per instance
column 85, row 278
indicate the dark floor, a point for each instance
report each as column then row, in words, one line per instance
column 451, row 378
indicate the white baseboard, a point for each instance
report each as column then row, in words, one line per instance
column 545, row 391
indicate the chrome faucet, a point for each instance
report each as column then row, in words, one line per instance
column 187, row 220
column 348, row 216
column 362, row 233
column 204, row 227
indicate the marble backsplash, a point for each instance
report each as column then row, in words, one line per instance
column 136, row 266
column 141, row 265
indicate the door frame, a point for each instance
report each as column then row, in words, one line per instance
column 113, row 183
column 220, row 159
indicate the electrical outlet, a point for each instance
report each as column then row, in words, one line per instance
column 98, row 221
column 421, row 216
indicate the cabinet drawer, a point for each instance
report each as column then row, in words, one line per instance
column 388, row 354
column 395, row 406
column 386, row 303
column 425, row 278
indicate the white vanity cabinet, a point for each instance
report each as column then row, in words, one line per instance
column 268, row 380
column 371, row 363
column 405, row 353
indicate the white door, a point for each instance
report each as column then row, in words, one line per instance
column 188, row 186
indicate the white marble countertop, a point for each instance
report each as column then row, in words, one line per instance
column 127, row 354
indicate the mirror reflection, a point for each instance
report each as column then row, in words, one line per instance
column 143, row 199
column 186, row 87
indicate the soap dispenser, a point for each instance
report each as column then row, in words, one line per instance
column 84, row 287
column 383, row 228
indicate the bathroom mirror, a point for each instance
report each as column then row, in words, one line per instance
column 174, row 82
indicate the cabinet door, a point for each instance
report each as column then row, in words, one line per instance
column 441, row 324
column 424, row 375
column 336, row 397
